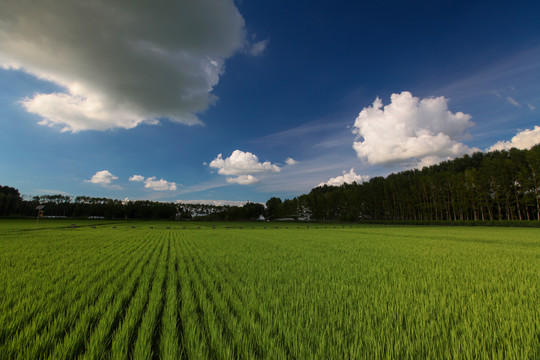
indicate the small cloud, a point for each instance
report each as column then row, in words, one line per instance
column 531, row 107
column 243, row 180
column 53, row 192
column 256, row 49
column 137, row 178
column 152, row 183
column 512, row 101
column 103, row 177
column 522, row 140
column 346, row 178
column 291, row 161
column 242, row 163
column 159, row 185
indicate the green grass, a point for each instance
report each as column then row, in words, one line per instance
column 195, row 290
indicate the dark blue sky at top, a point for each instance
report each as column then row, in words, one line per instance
column 336, row 57
column 325, row 61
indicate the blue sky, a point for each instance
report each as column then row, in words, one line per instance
column 222, row 100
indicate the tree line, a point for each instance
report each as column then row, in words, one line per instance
column 58, row 205
column 499, row 185
column 85, row 206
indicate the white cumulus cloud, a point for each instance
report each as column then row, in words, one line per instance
column 159, row 185
column 523, row 140
column 243, row 180
column 154, row 184
column 103, row 177
column 120, row 63
column 291, row 161
column 242, row 165
column 346, row 178
column 410, row 131
column 137, row 178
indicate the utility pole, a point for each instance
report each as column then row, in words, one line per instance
column 39, row 208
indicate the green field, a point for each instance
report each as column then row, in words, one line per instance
column 272, row 291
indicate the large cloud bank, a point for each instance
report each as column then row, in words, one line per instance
column 523, row 140
column 242, row 165
column 410, row 131
column 120, row 63
column 346, row 178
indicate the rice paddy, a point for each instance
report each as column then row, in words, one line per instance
column 170, row 290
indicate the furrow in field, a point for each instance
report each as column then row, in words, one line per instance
column 124, row 337
column 157, row 332
column 217, row 344
column 63, row 315
column 169, row 344
column 178, row 266
column 194, row 340
column 98, row 344
column 151, row 320
column 74, row 342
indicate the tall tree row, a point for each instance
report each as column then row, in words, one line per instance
column 499, row 185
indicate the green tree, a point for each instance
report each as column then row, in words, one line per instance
column 274, row 208
column 10, row 200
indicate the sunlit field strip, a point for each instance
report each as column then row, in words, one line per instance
column 219, row 323
column 386, row 301
column 250, row 338
column 271, row 337
column 232, row 331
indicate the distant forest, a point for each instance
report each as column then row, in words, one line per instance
column 12, row 204
column 499, row 185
